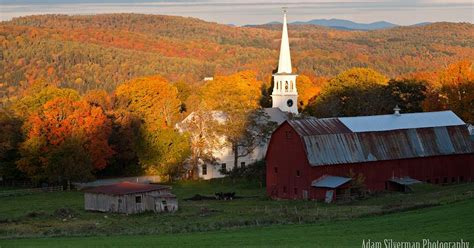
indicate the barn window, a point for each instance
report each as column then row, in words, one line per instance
column 204, row 169
column 284, row 189
column 138, row 199
column 297, row 173
column 224, row 167
column 275, row 169
column 288, row 134
column 242, row 164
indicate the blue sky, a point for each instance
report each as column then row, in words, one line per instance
column 241, row 12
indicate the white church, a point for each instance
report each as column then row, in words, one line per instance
column 284, row 104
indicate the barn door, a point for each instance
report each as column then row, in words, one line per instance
column 329, row 196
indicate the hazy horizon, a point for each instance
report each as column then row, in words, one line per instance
column 243, row 12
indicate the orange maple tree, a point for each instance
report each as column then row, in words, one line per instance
column 61, row 126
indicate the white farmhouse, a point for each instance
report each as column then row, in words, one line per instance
column 284, row 103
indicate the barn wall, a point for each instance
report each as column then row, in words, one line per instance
column 288, row 155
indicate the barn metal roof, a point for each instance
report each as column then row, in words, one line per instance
column 332, row 182
column 401, row 121
column 125, row 188
column 313, row 126
column 388, row 145
column 332, row 141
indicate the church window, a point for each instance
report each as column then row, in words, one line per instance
column 204, row 169
column 286, row 86
column 291, row 85
column 276, row 85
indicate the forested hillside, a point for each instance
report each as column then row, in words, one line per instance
column 102, row 51
column 94, row 96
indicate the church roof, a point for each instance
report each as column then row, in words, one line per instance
column 276, row 115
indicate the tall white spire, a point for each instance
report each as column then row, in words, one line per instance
column 284, row 64
column 285, row 94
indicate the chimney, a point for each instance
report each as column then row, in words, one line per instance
column 396, row 110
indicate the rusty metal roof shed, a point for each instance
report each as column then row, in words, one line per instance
column 125, row 188
column 329, row 141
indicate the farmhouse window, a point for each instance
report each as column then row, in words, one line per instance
column 242, row 164
column 138, row 199
column 204, row 169
column 224, row 167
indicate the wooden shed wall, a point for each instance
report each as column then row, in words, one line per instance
column 124, row 203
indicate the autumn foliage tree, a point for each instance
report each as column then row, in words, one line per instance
column 161, row 149
column 238, row 96
column 65, row 140
column 358, row 91
column 457, row 89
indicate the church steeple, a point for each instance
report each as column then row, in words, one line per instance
column 285, row 94
column 284, row 64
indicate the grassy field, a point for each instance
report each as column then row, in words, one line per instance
column 61, row 214
column 448, row 222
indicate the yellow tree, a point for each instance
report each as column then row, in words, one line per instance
column 357, row 91
column 237, row 96
column 154, row 101
column 307, row 90
column 457, row 89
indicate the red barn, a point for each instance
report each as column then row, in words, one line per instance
column 320, row 158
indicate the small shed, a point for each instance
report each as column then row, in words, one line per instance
column 130, row 198
column 401, row 183
column 330, row 187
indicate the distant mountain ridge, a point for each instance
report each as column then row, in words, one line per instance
column 349, row 25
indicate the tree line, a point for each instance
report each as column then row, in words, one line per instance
column 53, row 134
